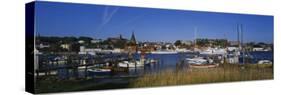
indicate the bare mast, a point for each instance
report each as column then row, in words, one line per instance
column 242, row 43
column 195, row 37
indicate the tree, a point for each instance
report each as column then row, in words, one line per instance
column 75, row 47
column 177, row 43
column 68, row 39
column 163, row 47
column 86, row 39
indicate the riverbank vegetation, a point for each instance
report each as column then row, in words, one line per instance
column 223, row 73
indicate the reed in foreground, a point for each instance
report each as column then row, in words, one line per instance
column 223, row 73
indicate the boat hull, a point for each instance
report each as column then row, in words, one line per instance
column 99, row 72
column 202, row 66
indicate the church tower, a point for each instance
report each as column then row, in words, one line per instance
column 133, row 39
column 131, row 46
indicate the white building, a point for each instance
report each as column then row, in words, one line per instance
column 65, row 46
column 81, row 41
column 41, row 45
column 96, row 40
column 84, row 50
column 93, row 51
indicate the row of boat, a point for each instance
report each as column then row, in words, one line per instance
column 196, row 62
column 137, row 63
column 123, row 64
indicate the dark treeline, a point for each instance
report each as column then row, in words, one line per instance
column 63, row 39
column 204, row 42
column 211, row 42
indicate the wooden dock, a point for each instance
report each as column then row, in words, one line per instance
column 51, row 63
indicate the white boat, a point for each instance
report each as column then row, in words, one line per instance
column 131, row 64
column 151, row 61
column 164, row 52
column 98, row 71
column 183, row 50
column 200, row 62
column 201, row 66
column 264, row 62
column 196, row 60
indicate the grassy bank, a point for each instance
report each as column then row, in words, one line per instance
column 223, row 73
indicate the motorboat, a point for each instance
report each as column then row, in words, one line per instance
column 196, row 60
column 130, row 64
column 264, row 62
column 99, row 71
column 200, row 62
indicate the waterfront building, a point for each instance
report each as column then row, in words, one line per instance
column 43, row 45
column 81, row 42
column 116, row 39
column 96, row 41
column 65, row 46
column 84, row 50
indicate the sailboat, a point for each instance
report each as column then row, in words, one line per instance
column 195, row 59
column 199, row 62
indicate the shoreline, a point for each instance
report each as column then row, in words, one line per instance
column 223, row 74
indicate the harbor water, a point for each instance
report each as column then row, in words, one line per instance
column 164, row 62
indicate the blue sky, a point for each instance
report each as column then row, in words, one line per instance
column 65, row 19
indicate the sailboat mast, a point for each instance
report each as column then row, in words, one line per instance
column 242, row 43
column 195, row 37
column 238, row 36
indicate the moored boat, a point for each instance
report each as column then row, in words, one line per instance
column 164, row 52
column 149, row 61
column 264, row 62
column 99, row 71
column 203, row 65
column 130, row 64
column 200, row 62
column 196, row 60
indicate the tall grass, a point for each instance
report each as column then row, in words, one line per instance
column 223, row 73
